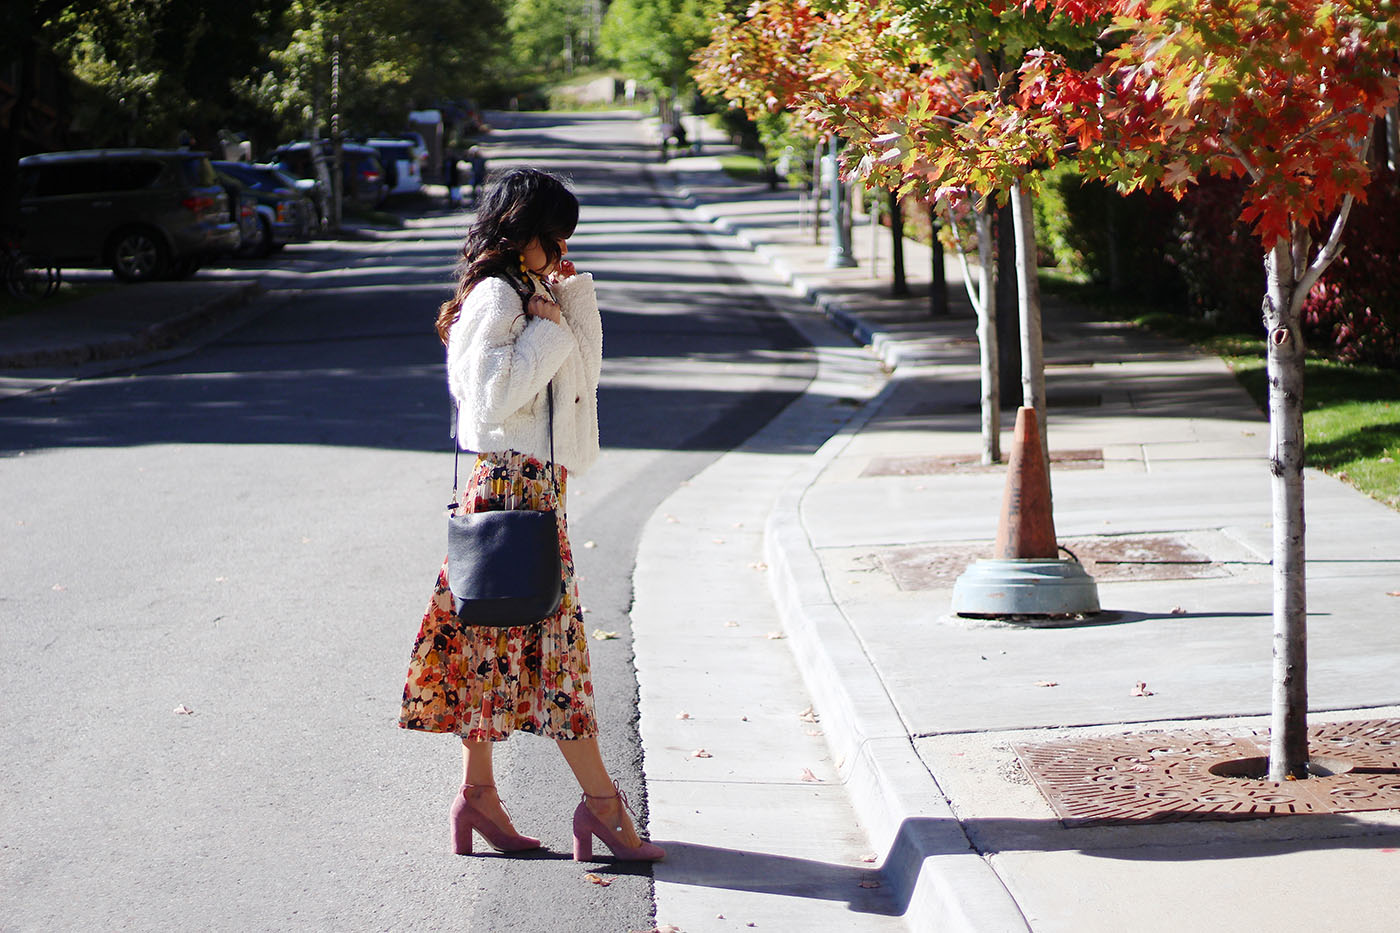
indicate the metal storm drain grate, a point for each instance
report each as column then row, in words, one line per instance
column 1172, row 776
column 1089, row 459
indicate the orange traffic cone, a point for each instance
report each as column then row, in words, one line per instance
column 1027, row 579
column 1026, row 529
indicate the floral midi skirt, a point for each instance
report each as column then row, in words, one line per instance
column 485, row 683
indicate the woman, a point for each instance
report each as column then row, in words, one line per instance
column 522, row 319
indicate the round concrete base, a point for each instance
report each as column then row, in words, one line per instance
column 998, row 588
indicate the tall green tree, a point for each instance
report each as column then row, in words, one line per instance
column 653, row 40
column 395, row 55
column 149, row 69
column 554, row 36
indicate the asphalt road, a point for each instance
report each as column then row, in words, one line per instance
column 251, row 532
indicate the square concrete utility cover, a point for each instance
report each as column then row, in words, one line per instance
column 1107, row 558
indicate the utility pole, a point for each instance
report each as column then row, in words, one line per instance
column 337, row 179
column 840, row 256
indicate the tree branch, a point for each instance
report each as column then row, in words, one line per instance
column 1333, row 247
column 972, row 295
column 1330, row 251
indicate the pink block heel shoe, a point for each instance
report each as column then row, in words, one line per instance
column 465, row 817
column 587, row 825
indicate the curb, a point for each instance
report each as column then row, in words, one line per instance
column 884, row 347
column 155, row 337
column 930, row 861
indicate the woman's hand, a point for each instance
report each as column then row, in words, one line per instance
column 542, row 306
column 563, row 270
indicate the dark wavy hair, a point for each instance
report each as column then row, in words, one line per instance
column 522, row 205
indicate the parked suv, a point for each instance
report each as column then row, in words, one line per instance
column 283, row 214
column 362, row 174
column 403, row 167
column 146, row 213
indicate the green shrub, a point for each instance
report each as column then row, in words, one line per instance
column 1123, row 241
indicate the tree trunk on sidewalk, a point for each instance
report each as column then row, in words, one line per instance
column 987, row 339
column 1290, row 272
column 938, row 281
column 899, row 285
column 1028, row 293
column 1007, row 308
column 982, row 296
column 1392, row 135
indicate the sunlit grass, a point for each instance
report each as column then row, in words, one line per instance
column 1351, row 420
column 743, row 167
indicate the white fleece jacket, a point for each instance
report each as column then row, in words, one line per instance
column 499, row 362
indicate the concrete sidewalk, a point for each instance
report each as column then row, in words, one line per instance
column 1165, row 494
column 119, row 323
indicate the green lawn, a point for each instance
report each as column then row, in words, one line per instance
column 1351, row 419
column 1351, row 413
column 743, row 167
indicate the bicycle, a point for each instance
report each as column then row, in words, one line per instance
column 27, row 277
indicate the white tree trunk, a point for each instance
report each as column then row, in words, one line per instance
column 1288, row 742
column 983, row 299
column 1392, row 133
column 1028, row 293
column 987, row 337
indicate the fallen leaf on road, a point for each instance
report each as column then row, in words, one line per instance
column 731, row 624
column 776, row 636
column 682, row 715
column 1047, row 683
column 758, row 565
column 743, row 719
column 808, row 776
column 814, row 732
column 1393, row 593
column 700, row 753
column 872, row 857
column 590, row 544
column 1178, row 611
column 1140, row 690
column 183, row 710
column 59, row 587
column 597, row 879
column 808, row 715
column 672, row 519
column 600, row 635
